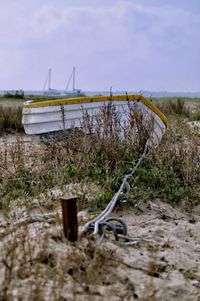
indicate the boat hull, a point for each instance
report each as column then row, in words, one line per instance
column 59, row 115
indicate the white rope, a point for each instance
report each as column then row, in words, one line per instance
column 111, row 205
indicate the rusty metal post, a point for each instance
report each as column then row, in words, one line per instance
column 70, row 222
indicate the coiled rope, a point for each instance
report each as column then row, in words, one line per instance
column 103, row 222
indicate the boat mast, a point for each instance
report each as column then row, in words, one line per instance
column 49, row 88
column 71, row 78
column 74, row 70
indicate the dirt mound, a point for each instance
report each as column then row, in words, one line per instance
column 37, row 263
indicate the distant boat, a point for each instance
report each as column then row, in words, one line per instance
column 63, row 114
column 72, row 78
column 50, row 91
column 66, row 91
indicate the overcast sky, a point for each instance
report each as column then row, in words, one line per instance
column 126, row 44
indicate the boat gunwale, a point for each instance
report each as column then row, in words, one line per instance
column 82, row 100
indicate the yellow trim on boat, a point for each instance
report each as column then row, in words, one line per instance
column 77, row 100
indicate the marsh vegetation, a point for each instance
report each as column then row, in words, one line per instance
column 91, row 164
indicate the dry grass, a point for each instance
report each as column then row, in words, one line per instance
column 38, row 264
column 10, row 118
column 98, row 153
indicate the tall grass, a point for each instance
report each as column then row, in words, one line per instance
column 179, row 107
column 171, row 173
column 172, row 107
column 10, row 118
column 100, row 154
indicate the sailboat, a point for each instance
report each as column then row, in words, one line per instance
column 50, row 91
column 74, row 91
column 66, row 91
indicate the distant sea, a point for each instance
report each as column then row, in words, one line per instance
column 157, row 94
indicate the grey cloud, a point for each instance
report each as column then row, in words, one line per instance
column 127, row 44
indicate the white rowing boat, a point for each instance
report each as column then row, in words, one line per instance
column 58, row 115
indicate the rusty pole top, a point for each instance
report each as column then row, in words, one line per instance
column 70, row 221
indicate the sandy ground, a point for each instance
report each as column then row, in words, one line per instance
column 37, row 263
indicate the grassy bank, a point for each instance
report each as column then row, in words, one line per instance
column 170, row 172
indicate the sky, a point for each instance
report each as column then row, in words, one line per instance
column 127, row 44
